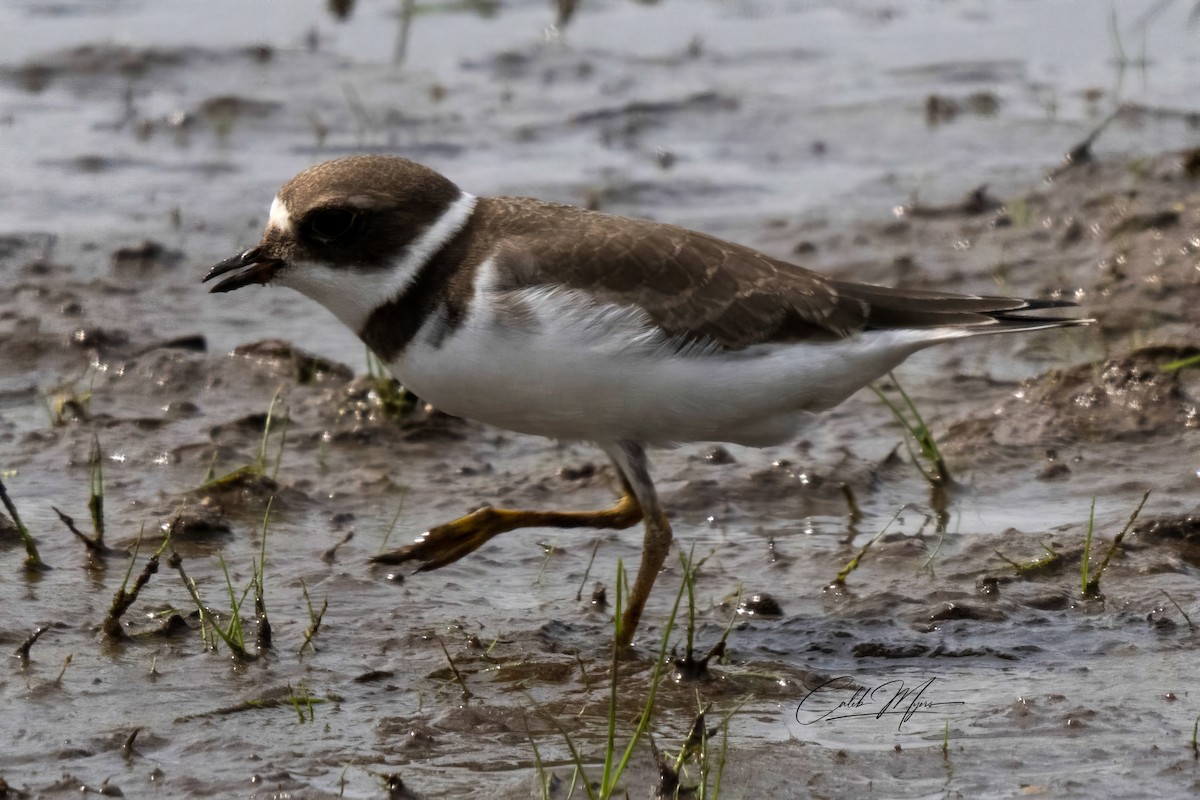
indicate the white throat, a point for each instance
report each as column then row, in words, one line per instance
column 352, row 294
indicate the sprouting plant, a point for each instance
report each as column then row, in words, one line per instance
column 33, row 561
column 257, row 468
column 314, row 619
column 232, row 633
column 1051, row 561
column 938, row 475
column 1091, row 584
column 853, row 563
column 1182, row 363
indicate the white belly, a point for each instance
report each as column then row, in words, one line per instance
column 568, row 369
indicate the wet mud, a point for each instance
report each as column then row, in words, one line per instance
column 963, row 655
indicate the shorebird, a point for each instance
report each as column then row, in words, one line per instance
column 553, row 320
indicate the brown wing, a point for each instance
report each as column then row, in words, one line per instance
column 692, row 285
column 699, row 287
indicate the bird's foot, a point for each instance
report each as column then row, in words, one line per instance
column 447, row 543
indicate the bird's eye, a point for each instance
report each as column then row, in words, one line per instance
column 329, row 224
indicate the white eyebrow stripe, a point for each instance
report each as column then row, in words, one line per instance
column 279, row 217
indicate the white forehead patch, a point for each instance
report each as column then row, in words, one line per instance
column 279, row 218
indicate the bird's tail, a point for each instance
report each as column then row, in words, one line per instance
column 893, row 309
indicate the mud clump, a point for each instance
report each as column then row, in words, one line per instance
column 1127, row 399
column 291, row 361
column 760, row 604
column 146, row 257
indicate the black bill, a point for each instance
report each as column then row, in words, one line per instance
column 255, row 266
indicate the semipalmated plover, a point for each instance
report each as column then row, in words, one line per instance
column 576, row 325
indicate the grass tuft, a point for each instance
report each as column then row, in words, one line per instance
column 314, row 620
column 938, row 474
column 1091, row 584
column 302, row 702
column 232, row 634
column 853, row 563
column 688, row 667
column 1050, row 562
column 258, row 467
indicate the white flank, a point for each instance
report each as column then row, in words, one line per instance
column 562, row 365
column 352, row 294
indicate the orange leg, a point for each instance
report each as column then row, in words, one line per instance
column 448, row 543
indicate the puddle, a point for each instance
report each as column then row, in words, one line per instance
column 152, row 137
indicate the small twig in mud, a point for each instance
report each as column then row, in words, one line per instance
column 1196, row 739
column 66, row 663
column 331, row 554
column 547, row 550
column 127, row 749
column 1191, row 625
column 1091, row 588
column 94, row 545
column 976, row 202
column 314, row 620
column 32, row 560
column 852, row 504
column 22, row 652
column 466, row 693
column 587, row 571
column 96, row 491
column 1081, row 153
column 852, row 565
column 123, row 599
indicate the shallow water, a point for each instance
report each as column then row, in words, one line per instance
column 800, row 128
